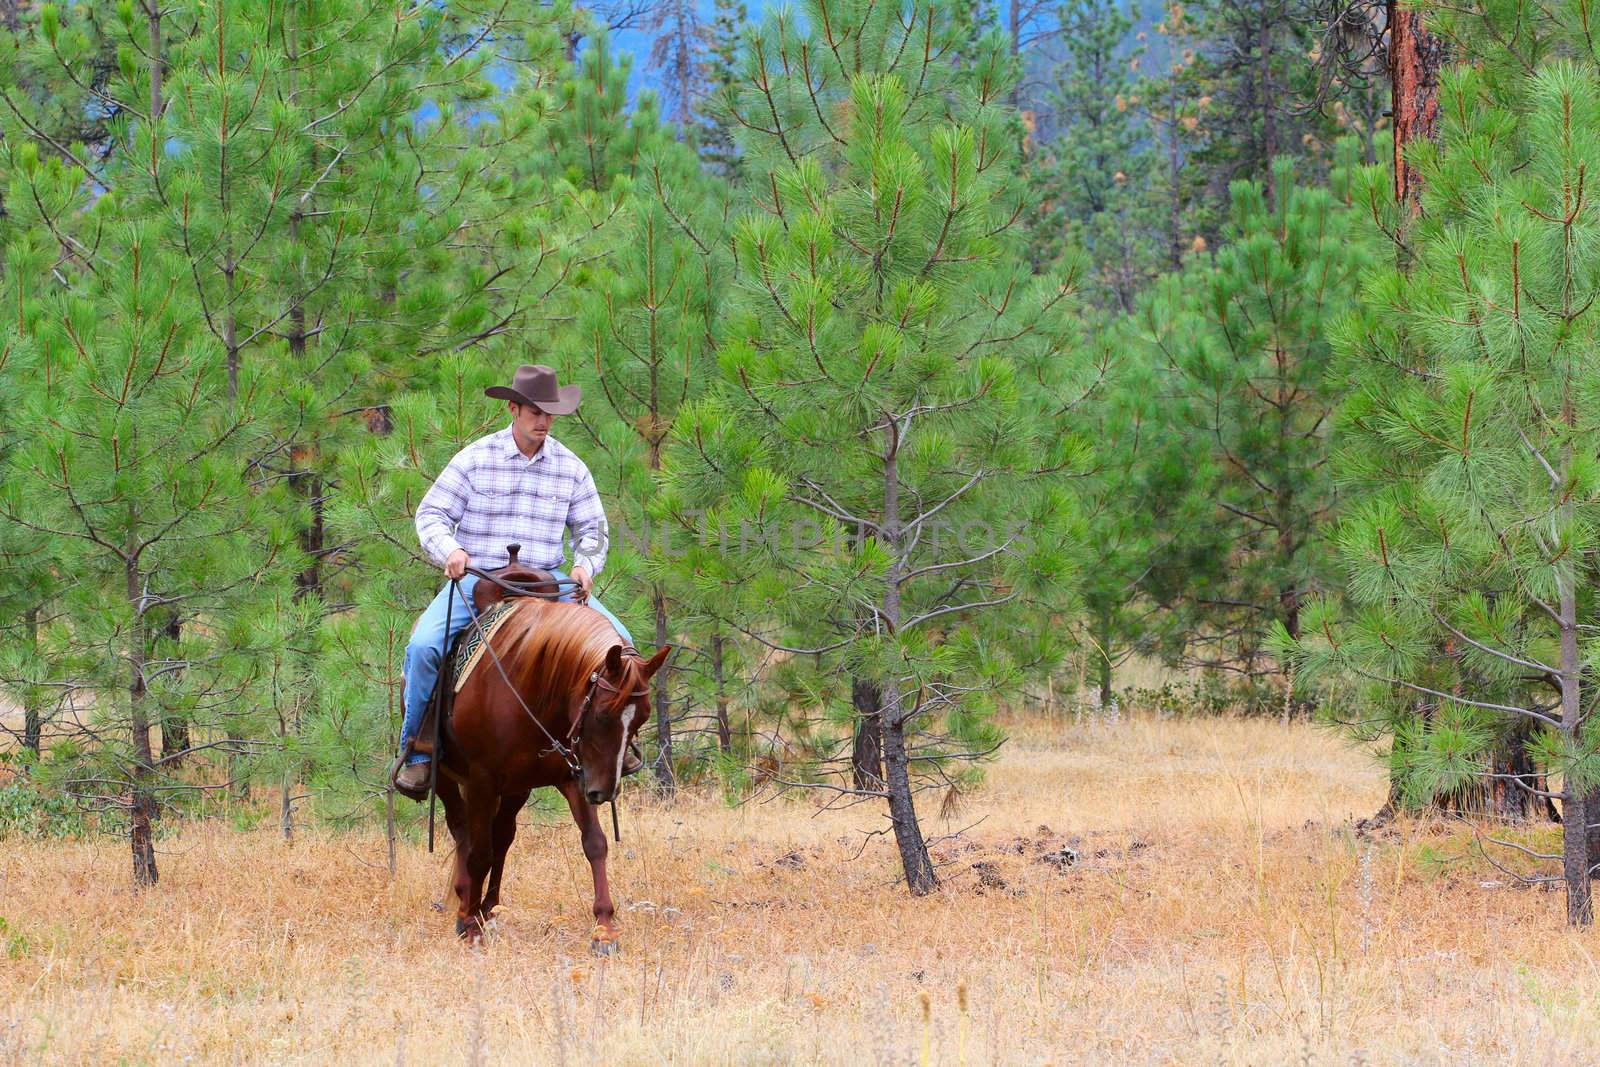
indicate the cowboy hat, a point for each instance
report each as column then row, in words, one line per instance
column 536, row 385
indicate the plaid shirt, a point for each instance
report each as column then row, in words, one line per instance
column 491, row 495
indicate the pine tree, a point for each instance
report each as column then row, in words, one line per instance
column 130, row 468
column 1141, row 524
column 594, row 138
column 1096, row 173
column 871, row 429
column 641, row 347
column 720, row 75
column 1471, row 551
column 676, row 58
column 1250, row 396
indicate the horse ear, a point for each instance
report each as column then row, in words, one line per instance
column 614, row 659
column 654, row 663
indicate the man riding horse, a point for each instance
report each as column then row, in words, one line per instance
column 518, row 486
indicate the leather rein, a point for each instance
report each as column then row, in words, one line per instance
column 550, row 589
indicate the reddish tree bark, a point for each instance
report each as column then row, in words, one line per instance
column 1415, row 60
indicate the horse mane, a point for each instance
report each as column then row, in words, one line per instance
column 550, row 647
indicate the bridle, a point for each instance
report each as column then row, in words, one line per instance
column 595, row 682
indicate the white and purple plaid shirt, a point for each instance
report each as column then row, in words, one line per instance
column 491, row 495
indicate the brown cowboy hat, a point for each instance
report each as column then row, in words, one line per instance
column 536, row 385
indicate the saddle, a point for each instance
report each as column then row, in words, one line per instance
column 436, row 719
column 486, row 594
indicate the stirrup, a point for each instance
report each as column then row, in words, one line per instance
column 633, row 762
column 418, row 795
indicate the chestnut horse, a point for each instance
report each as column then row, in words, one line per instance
column 575, row 700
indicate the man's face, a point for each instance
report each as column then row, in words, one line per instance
column 531, row 424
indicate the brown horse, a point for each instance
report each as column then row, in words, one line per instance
column 576, row 698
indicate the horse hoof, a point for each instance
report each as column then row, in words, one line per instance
column 469, row 931
column 603, row 947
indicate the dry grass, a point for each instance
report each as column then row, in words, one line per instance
column 1220, row 911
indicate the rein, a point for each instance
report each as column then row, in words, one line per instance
column 567, row 751
column 567, row 755
column 546, row 589
column 552, row 589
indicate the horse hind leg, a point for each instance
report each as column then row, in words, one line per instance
column 505, row 831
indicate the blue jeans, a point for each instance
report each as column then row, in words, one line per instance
column 429, row 640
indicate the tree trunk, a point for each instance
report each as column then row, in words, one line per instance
column 286, row 807
column 391, row 833
column 303, row 477
column 1269, row 128
column 1103, row 658
column 32, row 713
column 718, row 674
column 1174, row 195
column 666, row 781
column 914, row 858
column 1505, row 799
column 1574, row 820
column 866, row 755
column 142, row 803
column 141, row 799
column 174, row 728
column 1415, row 60
column 1591, row 804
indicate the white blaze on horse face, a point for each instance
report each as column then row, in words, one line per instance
column 622, row 751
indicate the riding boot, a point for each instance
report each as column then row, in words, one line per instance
column 633, row 761
column 413, row 778
column 409, row 779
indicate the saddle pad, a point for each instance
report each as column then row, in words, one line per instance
column 475, row 639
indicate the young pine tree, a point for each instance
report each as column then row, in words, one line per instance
column 1095, row 175
column 131, row 472
column 642, row 348
column 1245, row 357
column 720, row 75
column 1471, row 553
column 885, row 365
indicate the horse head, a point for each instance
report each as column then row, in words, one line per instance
column 618, row 707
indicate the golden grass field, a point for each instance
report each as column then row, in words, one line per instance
column 1221, row 911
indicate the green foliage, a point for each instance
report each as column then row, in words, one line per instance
column 1096, row 177
column 27, row 810
column 871, row 463
column 1471, row 549
column 1237, row 349
column 220, row 293
column 260, row 262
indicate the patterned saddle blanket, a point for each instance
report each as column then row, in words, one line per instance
column 474, row 640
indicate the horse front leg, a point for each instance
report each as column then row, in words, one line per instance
column 505, row 831
column 603, row 941
column 474, row 856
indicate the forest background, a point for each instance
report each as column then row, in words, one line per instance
column 937, row 356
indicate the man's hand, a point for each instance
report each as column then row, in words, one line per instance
column 456, row 565
column 585, row 583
